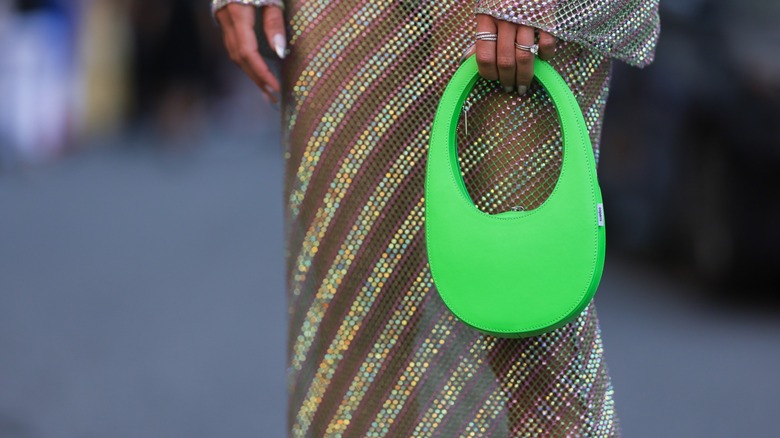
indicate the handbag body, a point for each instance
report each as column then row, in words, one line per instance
column 515, row 273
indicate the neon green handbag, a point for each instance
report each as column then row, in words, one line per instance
column 515, row 273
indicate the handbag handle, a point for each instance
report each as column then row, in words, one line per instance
column 570, row 116
column 515, row 273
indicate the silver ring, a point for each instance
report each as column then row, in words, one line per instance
column 486, row 36
column 534, row 48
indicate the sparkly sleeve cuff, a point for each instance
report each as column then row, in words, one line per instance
column 623, row 29
column 218, row 4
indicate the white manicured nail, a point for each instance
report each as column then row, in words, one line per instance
column 522, row 89
column 280, row 45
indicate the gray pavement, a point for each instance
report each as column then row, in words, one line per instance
column 143, row 296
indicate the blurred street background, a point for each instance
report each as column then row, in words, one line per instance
column 141, row 250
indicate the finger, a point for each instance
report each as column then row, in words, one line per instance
column 486, row 50
column 252, row 62
column 505, row 54
column 223, row 17
column 256, row 69
column 273, row 25
column 524, row 59
column 233, row 50
column 227, row 26
column 237, row 23
column 229, row 39
column 547, row 45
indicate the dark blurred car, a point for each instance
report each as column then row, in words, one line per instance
column 692, row 148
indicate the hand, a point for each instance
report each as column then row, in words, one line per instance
column 237, row 22
column 501, row 60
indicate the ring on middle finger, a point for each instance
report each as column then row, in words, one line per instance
column 486, row 36
column 533, row 48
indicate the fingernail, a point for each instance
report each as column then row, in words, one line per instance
column 522, row 89
column 465, row 54
column 271, row 103
column 508, row 88
column 280, row 45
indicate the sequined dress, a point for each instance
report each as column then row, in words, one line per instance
column 372, row 349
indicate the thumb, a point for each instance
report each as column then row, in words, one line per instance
column 273, row 25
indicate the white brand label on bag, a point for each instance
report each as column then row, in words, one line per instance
column 600, row 214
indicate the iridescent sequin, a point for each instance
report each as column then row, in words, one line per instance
column 372, row 350
column 623, row 29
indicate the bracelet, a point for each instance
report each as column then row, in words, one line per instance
column 219, row 4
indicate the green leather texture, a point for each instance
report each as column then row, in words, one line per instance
column 515, row 273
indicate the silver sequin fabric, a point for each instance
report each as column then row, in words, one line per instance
column 372, row 350
column 627, row 30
